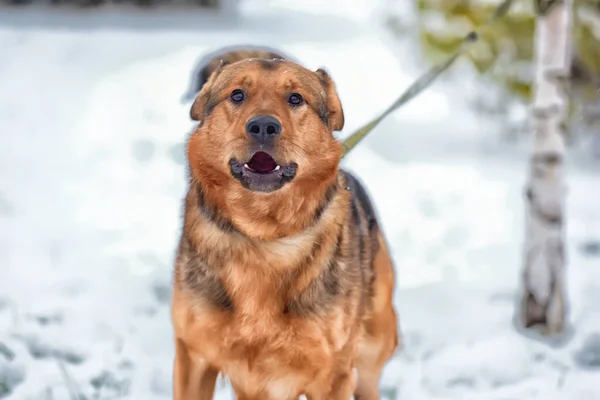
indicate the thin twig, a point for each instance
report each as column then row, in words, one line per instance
column 71, row 384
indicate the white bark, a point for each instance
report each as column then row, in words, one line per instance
column 544, row 296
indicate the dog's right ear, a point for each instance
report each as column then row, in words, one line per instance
column 334, row 112
column 199, row 107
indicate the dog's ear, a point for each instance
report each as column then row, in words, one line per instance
column 199, row 107
column 335, row 113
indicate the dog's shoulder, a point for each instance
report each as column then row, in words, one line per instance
column 194, row 275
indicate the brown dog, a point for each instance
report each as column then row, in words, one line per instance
column 283, row 281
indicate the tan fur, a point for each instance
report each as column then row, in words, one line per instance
column 278, row 297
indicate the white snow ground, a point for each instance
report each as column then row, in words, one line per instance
column 91, row 181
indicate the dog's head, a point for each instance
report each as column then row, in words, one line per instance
column 265, row 135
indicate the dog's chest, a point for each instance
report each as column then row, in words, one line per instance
column 269, row 357
column 256, row 341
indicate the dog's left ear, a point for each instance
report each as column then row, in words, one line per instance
column 199, row 107
column 335, row 113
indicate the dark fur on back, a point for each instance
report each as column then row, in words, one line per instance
column 209, row 62
column 362, row 205
column 360, row 194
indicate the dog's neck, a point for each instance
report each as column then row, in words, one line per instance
column 281, row 215
column 205, row 222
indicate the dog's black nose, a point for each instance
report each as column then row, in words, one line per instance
column 263, row 128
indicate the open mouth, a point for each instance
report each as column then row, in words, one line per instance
column 262, row 163
column 262, row 173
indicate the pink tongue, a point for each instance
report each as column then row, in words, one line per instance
column 262, row 162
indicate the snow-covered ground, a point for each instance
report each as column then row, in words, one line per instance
column 92, row 177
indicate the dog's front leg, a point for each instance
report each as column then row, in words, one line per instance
column 192, row 379
column 341, row 388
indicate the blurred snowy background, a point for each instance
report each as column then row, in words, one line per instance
column 92, row 176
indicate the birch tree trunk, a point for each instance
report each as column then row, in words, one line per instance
column 544, row 293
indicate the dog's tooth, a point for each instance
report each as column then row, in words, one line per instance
column 277, row 168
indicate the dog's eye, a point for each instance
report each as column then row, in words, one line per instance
column 237, row 96
column 295, row 99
